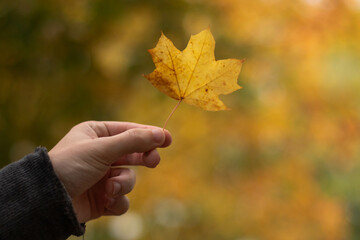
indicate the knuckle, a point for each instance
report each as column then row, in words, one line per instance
column 90, row 123
column 84, row 125
column 77, row 126
column 98, row 127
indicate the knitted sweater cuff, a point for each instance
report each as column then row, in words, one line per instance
column 33, row 202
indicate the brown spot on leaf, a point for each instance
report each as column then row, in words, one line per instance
column 172, row 78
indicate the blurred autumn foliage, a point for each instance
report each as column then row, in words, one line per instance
column 283, row 164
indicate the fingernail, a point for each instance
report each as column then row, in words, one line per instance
column 116, row 188
column 158, row 135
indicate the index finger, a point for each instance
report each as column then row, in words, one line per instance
column 111, row 128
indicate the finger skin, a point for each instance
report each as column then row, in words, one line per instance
column 135, row 140
column 112, row 128
column 125, row 177
column 149, row 159
column 117, row 206
column 82, row 160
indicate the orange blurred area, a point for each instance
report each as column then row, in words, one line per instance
column 283, row 164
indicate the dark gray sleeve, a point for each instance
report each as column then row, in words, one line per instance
column 33, row 202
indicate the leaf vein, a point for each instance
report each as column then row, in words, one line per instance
column 212, row 80
column 197, row 61
column 176, row 76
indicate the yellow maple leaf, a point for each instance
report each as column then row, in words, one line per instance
column 193, row 75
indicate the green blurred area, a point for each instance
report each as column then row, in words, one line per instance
column 282, row 164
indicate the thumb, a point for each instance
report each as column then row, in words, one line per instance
column 135, row 140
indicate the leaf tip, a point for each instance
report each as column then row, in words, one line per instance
column 208, row 29
column 147, row 76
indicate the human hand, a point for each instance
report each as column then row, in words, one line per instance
column 82, row 160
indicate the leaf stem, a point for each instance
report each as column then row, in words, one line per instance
column 172, row 112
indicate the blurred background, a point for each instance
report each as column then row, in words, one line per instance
column 283, row 164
